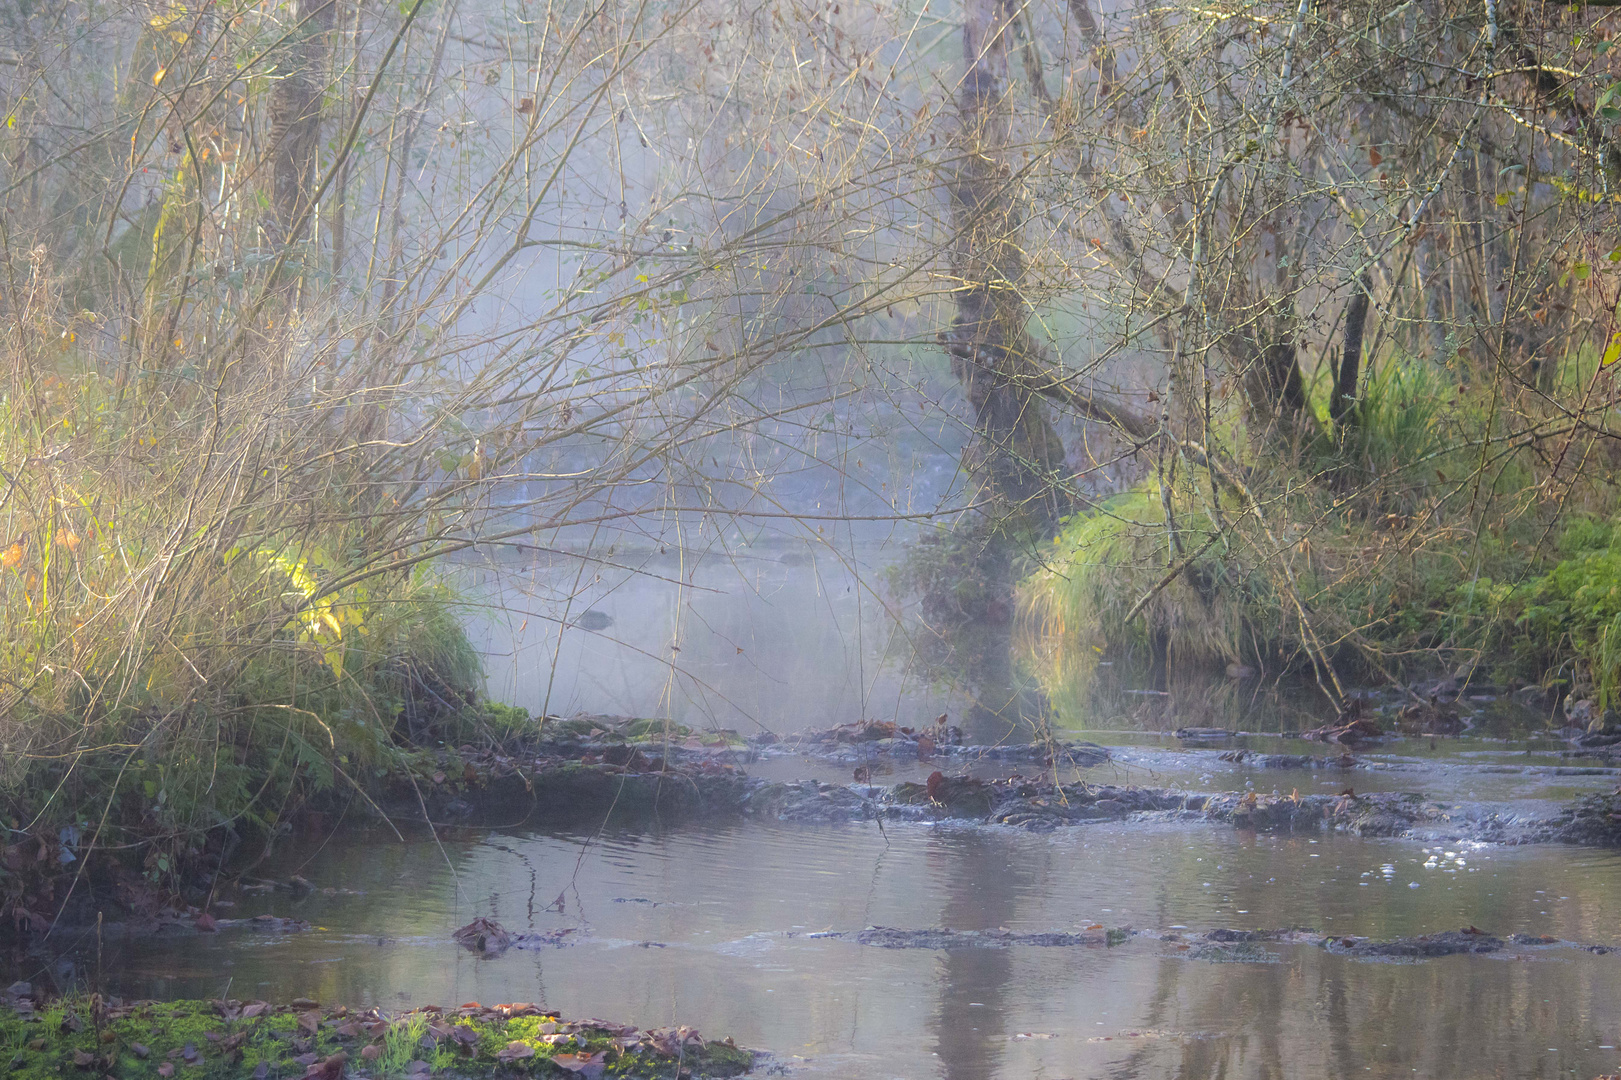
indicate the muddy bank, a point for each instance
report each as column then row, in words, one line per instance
column 588, row 765
column 90, row 1036
column 602, row 771
column 574, row 787
column 868, row 739
column 1469, row 940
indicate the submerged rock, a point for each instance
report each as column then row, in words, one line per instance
column 1289, row 761
column 1429, row 946
column 1349, row 730
column 1203, row 734
column 594, row 620
column 1593, row 821
column 490, row 938
column 1221, row 945
column 590, row 770
column 1244, row 952
column 808, row 801
column 889, row 937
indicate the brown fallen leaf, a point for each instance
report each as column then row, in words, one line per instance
column 515, row 1051
column 330, row 1069
column 166, row 1069
column 590, row 1066
column 309, row 1022
column 371, row 1053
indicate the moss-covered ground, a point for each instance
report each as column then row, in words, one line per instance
column 204, row 1040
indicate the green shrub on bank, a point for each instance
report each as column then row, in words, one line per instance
column 1414, row 540
column 1560, row 620
column 1107, row 559
column 208, row 617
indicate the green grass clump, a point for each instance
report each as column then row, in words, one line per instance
column 1107, row 560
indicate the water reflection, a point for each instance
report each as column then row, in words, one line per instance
column 970, row 1018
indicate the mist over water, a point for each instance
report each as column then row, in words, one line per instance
column 780, row 635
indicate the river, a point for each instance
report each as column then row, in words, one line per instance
column 716, row 924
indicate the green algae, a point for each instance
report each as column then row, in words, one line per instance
column 215, row 1040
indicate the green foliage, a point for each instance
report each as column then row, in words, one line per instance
column 1107, row 560
column 1417, row 536
column 210, row 678
column 1568, row 614
column 136, row 1042
column 1399, row 419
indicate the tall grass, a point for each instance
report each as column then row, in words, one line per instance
column 1107, row 560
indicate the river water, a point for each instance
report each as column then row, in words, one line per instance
column 715, row 924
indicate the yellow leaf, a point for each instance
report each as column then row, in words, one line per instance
column 69, row 539
column 1612, row 352
column 12, row 555
column 157, row 76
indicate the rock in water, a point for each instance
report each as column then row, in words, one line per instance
column 594, row 620
column 483, row 935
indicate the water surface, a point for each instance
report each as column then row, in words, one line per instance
column 712, row 925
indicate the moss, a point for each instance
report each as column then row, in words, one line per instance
column 205, row 1040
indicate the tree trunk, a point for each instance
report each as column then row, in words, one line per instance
column 295, row 116
column 1016, row 456
column 1342, row 403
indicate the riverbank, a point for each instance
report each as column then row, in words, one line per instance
column 234, row 1039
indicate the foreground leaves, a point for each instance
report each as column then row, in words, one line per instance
column 215, row 1040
